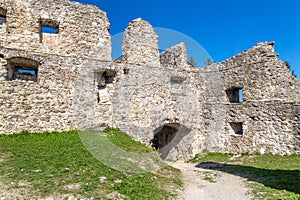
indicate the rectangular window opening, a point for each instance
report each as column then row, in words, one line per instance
column 104, row 79
column 23, row 69
column 49, row 30
column 237, row 127
column 23, row 73
column 235, row 95
column 2, row 19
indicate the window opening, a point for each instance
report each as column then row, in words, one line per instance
column 237, row 127
column 235, row 95
column 2, row 16
column 103, row 79
column 48, row 27
column 23, row 69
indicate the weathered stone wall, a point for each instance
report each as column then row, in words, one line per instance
column 267, row 113
column 82, row 29
column 140, row 44
column 157, row 99
column 38, row 106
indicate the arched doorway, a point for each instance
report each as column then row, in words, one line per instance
column 168, row 136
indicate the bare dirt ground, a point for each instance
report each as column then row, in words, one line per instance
column 217, row 186
column 199, row 184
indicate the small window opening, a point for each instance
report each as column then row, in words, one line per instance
column 48, row 26
column 23, row 69
column 46, row 29
column 2, row 16
column 177, row 84
column 104, row 79
column 235, row 95
column 2, row 19
column 177, row 80
column 126, row 71
column 237, row 127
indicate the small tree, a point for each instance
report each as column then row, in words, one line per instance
column 289, row 67
column 208, row 61
column 192, row 62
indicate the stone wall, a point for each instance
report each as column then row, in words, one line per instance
column 267, row 113
column 157, row 99
column 82, row 29
column 140, row 44
column 45, row 105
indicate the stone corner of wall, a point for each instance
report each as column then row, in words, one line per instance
column 174, row 56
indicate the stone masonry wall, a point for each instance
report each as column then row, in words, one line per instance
column 82, row 29
column 267, row 113
column 38, row 106
column 152, row 97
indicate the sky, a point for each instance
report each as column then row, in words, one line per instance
column 223, row 28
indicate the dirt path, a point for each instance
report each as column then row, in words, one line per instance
column 218, row 186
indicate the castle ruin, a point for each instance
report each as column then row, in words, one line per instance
column 66, row 80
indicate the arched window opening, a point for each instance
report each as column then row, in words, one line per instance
column 23, row 69
column 104, row 80
column 48, row 29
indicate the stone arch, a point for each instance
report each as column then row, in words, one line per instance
column 21, row 68
column 168, row 136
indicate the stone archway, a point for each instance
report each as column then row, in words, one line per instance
column 168, row 136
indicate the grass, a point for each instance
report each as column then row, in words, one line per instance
column 54, row 164
column 271, row 176
column 210, row 177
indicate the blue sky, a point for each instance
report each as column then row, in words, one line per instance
column 224, row 28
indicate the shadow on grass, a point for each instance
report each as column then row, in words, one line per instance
column 277, row 179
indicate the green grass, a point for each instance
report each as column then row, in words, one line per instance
column 58, row 164
column 271, row 176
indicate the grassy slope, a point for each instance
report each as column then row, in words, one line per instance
column 57, row 164
column 271, row 176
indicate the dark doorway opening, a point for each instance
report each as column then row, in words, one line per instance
column 165, row 135
column 168, row 136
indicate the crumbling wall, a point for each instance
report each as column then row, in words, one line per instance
column 79, row 86
column 45, row 105
column 144, row 102
column 174, row 56
column 82, row 29
column 140, row 44
column 266, row 114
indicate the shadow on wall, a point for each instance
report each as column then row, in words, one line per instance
column 277, row 179
column 168, row 136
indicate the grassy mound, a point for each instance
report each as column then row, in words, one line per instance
column 34, row 166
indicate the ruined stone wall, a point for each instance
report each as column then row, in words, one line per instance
column 82, row 29
column 45, row 105
column 144, row 102
column 76, row 85
column 140, row 44
column 268, row 113
column 57, row 96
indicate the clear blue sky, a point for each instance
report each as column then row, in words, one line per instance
column 223, row 27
